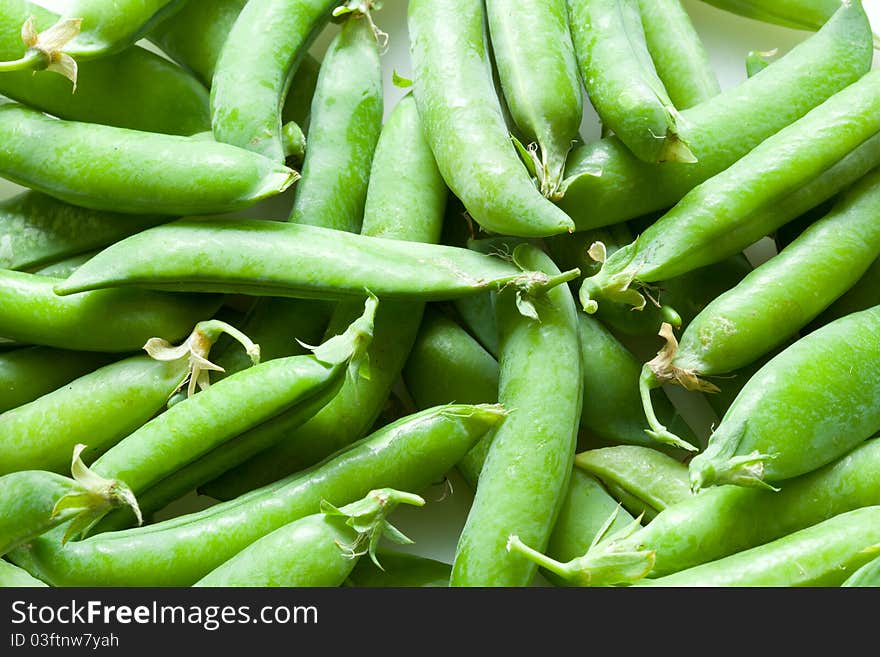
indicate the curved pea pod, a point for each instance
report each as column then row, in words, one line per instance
column 796, row 14
column 405, row 200
column 539, row 360
column 318, row 550
column 409, row 454
column 36, row 230
column 29, row 373
column 399, row 569
column 536, row 65
column 86, row 29
column 727, row 519
column 106, row 320
column 679, row 56
column 35, row 501
column 822, row 555
column 644, row 480
column 255, row 67
column 346, row 119
column 776, row 300
column 172, row 175
column 866, row 576
column 607, row 184
column 784, row 176
column 108, row 404
column 621, row 80
column 861, row 296
column 152, row 95
column 832, row 405
column 195, row 36
column 66, row 267
column 13, row 576
column 464, row 124
column 201, row 437
column 231, row 256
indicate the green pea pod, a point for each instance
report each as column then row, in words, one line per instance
column 106, row 320
column 679, row 56
column 330, row 264
column 867, row 575
column 35, row 501
column 64, row 268
column 796, row 14
column 152, row 95
column 621, row 80
column 318, row 550
column 832, row 405
column 98, row 166
column 650, row 480
column 776, row 300
column 736, row 208
column 405, row 200
column 861, row 296
column 399, row 569
column 13, row 576
column 255, row 68
column 733, row 383
column 36, row 230
column 445, row 364
column 822, row 555
column 86, row 29
column 477, row 314
column 196, row 35
column 606, row 184
column 346, row 122
column 29, row 373
column 536, row 64
column 464, row 124
column 109, row 404
column 409, row 454
column 200, row 438
column 728, row 519
column 539, row 360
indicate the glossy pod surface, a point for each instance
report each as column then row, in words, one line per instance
column 36, row 229
column 797, row 14
column 822, row 555
column 409, row 454
column 464, row 125
column 540, row 81
column 231, row 256
column 832, row 405
column 109, row 404
column 539, row 359
column 255, row 68
column 406, row 198
column 106, row 168
column 104, row 320
column 720, row 130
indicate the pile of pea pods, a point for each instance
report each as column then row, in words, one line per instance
column 470, row 290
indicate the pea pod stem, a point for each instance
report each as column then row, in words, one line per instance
column 87, row 30
column 37, row 501
column 140, row 385
column 229, row 422
column 320, row 549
